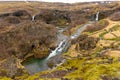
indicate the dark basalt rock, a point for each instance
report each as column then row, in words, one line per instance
column 22, row 14
column 5, row 15
column 55, row 60
column 54, row 17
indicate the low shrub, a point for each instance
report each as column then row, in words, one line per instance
column 115, row 16
column 97, row 26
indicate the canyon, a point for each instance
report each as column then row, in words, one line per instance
column 61, row 41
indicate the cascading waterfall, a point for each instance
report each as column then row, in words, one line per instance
column 97, row 16
column 40, row 65
column 33, row 18
column 65, row 43
column 79, row 31
column 57, row 50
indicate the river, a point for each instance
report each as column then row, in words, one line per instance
column 36, row 65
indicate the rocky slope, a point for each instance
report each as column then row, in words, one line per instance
column 94, row 55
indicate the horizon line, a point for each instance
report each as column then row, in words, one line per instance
column 58, row 1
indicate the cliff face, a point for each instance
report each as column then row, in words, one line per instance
column 95, row 50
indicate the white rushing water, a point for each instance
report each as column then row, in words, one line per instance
column 33, row 18
column 57, row 50
column 40, row 65
column 79, row 31
column 97, row 16
column 65, row 43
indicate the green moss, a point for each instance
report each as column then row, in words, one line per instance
column 116, row 27
column 91, row 70
column 62, row 22
column 103, row 33
column 5, row 78
column 76, row 28
column 102, row 22
column 115, row 39
column 22, row 77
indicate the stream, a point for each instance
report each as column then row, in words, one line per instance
column 34, row 65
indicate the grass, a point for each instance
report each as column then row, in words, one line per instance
column 116, row 27
column 5, row 78
column 115, row 39
column 97, row 26
column 91, row 70
column 62, row 22
column 73, row 30
column 103, row 33
column 87, row 69
column 91, row 67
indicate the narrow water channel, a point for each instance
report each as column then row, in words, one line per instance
column 36, row 65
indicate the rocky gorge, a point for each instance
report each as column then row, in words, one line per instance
column 36, row 30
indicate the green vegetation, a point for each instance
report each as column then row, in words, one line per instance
column 102, row 22
column 103, row 33
column 62, row 22
column 115, row 39
column 5, row 78
column 97, row 26
column 91, row 69
column 115, row 28
column 21, row 38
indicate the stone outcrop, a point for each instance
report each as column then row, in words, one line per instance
column 55, row 17
column 21, row 14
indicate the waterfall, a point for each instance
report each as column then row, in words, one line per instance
column 58, row 49
column 97, row 16
column 79, row 31
column 33, row 18
column 41, row 64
